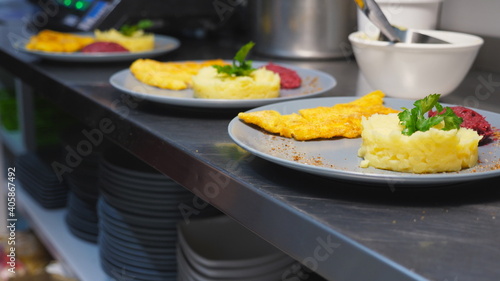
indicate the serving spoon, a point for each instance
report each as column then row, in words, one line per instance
column 389, row 32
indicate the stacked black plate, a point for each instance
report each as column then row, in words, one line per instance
column 82, row 219
column 82, row 181
column 138, row 213
column 35, row 172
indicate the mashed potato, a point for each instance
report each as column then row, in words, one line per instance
column 138, row 42
column 261, row 84
column 433, row 151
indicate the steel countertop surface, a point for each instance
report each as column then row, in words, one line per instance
column 342, row 230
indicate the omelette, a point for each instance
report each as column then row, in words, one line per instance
column 340, row 120
column 54, row 41
column 168, row 75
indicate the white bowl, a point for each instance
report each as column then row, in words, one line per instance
column 414, row 71
column 417, row 14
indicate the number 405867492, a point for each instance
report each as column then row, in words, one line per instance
column 11, row 174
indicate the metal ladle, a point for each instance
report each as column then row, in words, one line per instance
column 389, row 32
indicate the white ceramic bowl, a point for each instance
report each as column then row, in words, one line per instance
column 414, row 71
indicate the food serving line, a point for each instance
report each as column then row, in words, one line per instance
column 342, row 229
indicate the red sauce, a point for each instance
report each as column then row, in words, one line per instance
column 289, row 78
column 472, row 120
column 103, row 47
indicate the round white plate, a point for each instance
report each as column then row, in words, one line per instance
column 337, row 158
column 314, row 83
column 163, row 44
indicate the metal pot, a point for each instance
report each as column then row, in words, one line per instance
column 302, row 28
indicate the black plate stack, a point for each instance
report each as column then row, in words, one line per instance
column 34, row 171
column 82, row 181
column 138, row 213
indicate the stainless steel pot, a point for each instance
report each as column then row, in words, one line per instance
column 302, row 28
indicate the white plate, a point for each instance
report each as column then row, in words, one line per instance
column 163, row 44
column 314, row 82
column 337, row 158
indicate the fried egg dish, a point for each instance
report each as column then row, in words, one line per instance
column 340, row 120
column 53, row 41
column 169, row 75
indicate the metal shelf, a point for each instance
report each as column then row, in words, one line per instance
column 430, row 232
column 13, row 141
column 78, row 256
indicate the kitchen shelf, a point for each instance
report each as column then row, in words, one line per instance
column 78, row 256
column 12, row 140
column 343, row 230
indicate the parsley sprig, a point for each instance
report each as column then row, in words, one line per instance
column 130, row 29
column 414, row 120
column 240, row 66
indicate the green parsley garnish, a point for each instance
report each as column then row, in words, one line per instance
column 414, row 120
column 240, row 66
column 129, row 30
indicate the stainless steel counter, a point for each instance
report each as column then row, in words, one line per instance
column 341, row 230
